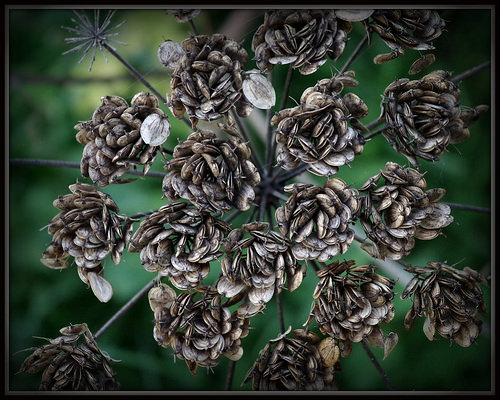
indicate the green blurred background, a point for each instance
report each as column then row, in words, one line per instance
column 50, row 93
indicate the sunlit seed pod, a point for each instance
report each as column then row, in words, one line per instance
column 354, row 15
column 329, row 351
column 422, row 63
column 258, row 90
column 384, row 58
column 155, row 129
column 170, row 54
column 101, row 288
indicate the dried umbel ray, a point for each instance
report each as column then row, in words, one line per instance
column 397, row 208
column 179, row 241
column 323, row 130
column 89, row 229
column 113, row 140
column 211, row 172
column 303, row 362
column 317, row 219
column 197, row 326
column 350, row 303
column 404, row 29
column 72, row 362
column 449, row 299
column 257, row 261
column 207, row 81
column 424, row 116
column 302, row 38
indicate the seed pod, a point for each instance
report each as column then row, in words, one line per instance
column 155, row 129
column 259, row 91
column 170, row 54
column 422, row 63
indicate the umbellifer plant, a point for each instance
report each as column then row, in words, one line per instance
column 244, row 222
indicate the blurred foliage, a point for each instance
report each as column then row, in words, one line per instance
column 49, row 93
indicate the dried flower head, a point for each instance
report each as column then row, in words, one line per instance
column 198, row 327
column 257, row 261
column 405, row 29
column 179, row 241
column 120, row 136
column 92, row 35
column 397, row 208
column 302, row 38
column 317, row 219
column 304, row 362
column 72, row 364
column 423, row 116
column 449, row 298
column 212, row 173
column 351, row 302
column 323, row 130
column 207, row 81
column 89, row 229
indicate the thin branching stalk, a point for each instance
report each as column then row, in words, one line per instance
column 244, row 133
column 474, row 70
column 280, row 312
column 126, row 307
column 354, row 54
column 375, row 132
column 292, row 173
column 69, row 164
column 193, row 27
column 465, row 207
column 134, row 72
column 377, row 365
column 230, row 375
column 272, row 144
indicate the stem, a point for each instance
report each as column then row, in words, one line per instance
column 470, row 72
column 271, row 150
column 378, row 367
column 126, row 307
column 375, row 133
column 230, row 374
column 293, row 173
column 280, row 313
column 134, row 72
column 374, row 123
column 232, row 216
column 69, row 164
column 243, row 131
column 354, row 54
column 193, row 27
column 466, row 207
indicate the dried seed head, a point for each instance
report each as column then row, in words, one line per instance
column 294, row 364
column 317, row 219
column 350, row 302
column 113, row 141
column 322, row 130
column 179, row 241
column 397, row 209
column 72, row 362
column 199, row 330
column 207, row 82
column 424, row 116
column 212, row 173
column 258, row 262
column 89, row 229
column 405, row 29
column 449, row 299
column 286, row 36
